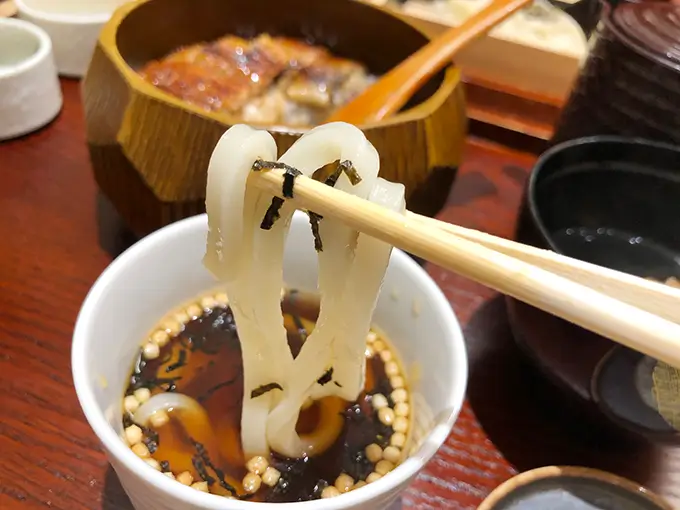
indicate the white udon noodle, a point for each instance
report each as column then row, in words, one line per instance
column 249, row 262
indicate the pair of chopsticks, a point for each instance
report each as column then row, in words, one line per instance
column 634, row 312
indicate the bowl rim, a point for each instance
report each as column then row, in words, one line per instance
column 36, row 58
column 543, row 473
column 69, row 19
column 107, row 42
column 545, row 158
column 115, row 448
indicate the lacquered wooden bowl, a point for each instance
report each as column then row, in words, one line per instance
column 614, row 202
column 150, row 151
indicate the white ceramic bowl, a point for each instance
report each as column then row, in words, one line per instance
column 73, row 26
column 164, row 269
column 30, row 95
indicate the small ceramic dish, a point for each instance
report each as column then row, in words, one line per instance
column 571, row 488
column 73, row 26
column 30, row 96
column 136, row 290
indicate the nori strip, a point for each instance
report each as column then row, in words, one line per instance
column 351, row 172
column 330, row 173
column 289, row 174
column 139, row 380
column 261, row 390
column 151, row 439
column 300, row 327
column 200, row 468
column 223, row 384
column 181, row 361
column 205, row 462
column 326, row 377
column 261, row 164
column 314, row 222
column 272, row 214
column 289, row 181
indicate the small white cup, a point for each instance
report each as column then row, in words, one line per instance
column 164, row 269
column 30, row 95
column 73, row 26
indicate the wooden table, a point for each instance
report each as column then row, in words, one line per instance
column 52, row 252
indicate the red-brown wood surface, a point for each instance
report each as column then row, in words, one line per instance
column 52, row 252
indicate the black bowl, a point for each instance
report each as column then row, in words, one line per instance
column 614, row 202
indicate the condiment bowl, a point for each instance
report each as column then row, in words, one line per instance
column 165, row 269
column 150, row 150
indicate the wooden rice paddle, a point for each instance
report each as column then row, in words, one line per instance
column 7, row 8
column 395, row 88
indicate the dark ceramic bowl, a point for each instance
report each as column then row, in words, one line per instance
column 614, row 202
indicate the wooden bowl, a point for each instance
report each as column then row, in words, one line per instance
column 571, row 488
column 150, row 150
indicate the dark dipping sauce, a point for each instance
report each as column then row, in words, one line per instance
column 204, row 362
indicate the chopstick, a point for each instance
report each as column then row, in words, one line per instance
column 626, row 309
column 650, row 296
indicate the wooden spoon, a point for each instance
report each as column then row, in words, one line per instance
column 394, row 89
column 7, row 8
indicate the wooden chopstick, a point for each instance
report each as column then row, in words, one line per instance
column 653, row 297
column 487, row 263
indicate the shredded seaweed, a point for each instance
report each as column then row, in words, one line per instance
column 272, row 214
column 314, row 220
column 351, row 172
column 265, row 388
column 202, row 463
column 289, row 174
column 165, row 465
column 139, row 379
column 181, row 361
column 289, row 181
column 302, row 331
column 330, row 173
column 337, row 384
column 198, row 337
column 326, row 377
column 202, row 471
column 205, row 396
column 151, row 439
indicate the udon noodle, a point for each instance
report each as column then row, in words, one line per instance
column 300, row 393
column 248, row 260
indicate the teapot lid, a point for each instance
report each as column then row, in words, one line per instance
column 649, row 28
